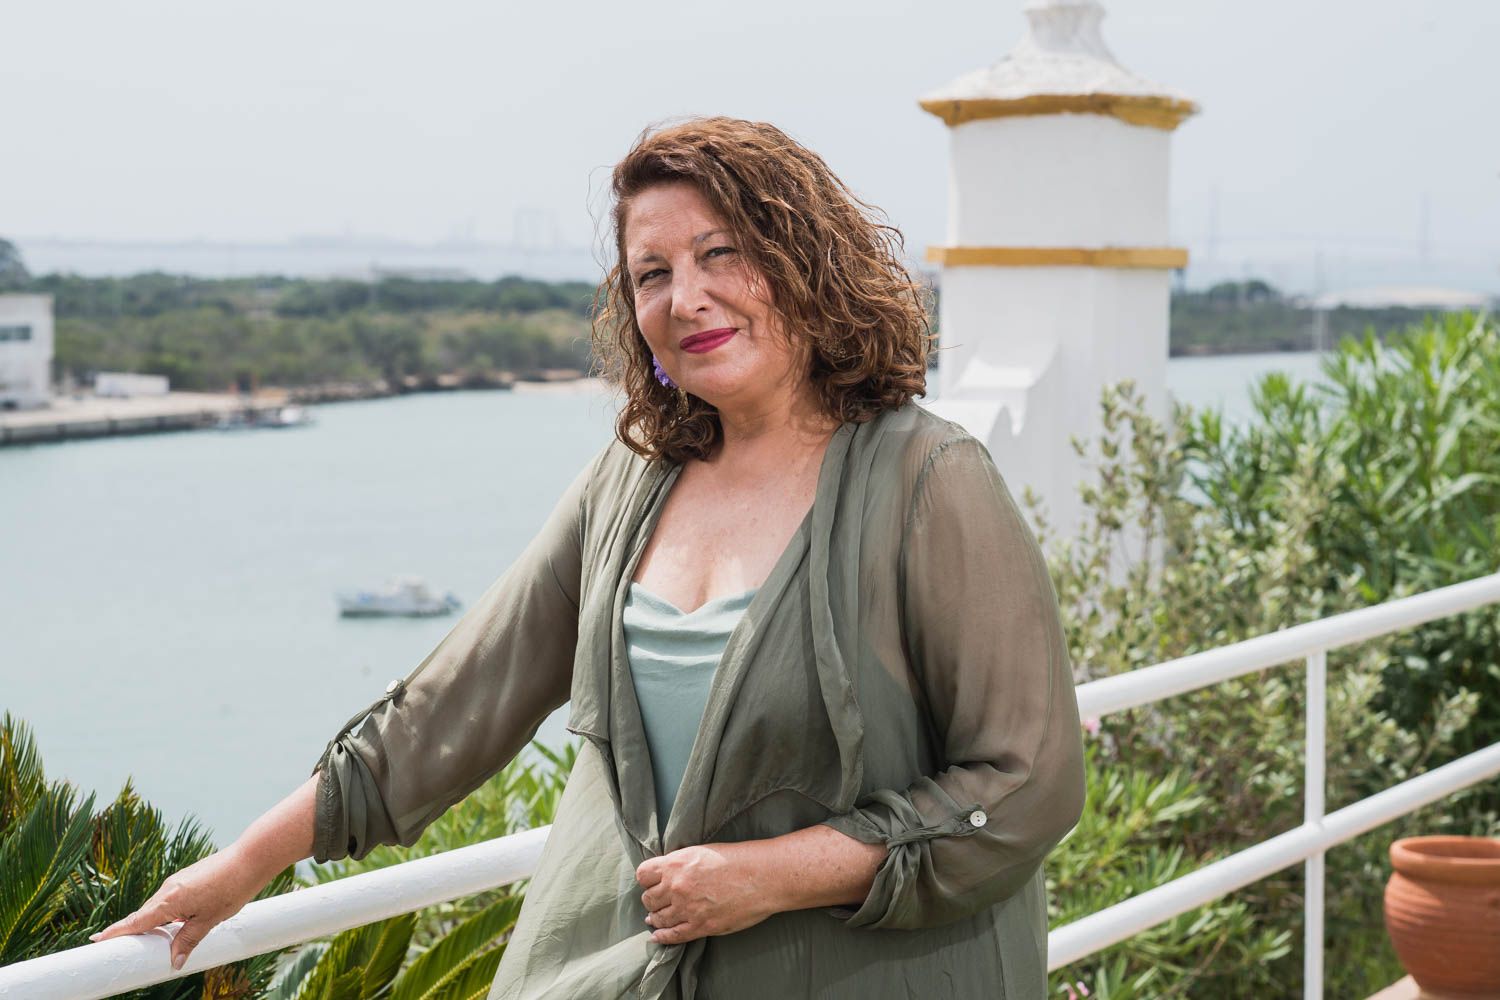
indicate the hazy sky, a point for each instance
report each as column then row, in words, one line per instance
column 1324, row 123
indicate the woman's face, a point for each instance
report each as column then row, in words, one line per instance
column 703, row 308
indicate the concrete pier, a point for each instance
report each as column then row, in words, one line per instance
column 69, row 418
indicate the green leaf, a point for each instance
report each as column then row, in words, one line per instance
column 433, row 974
column 359, row 963
column 21, row 777
column 289, row 982
column 39, row 857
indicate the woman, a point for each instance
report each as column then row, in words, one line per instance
column 836, row 775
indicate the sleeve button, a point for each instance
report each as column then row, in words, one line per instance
column 977, row 818
column 392, row 687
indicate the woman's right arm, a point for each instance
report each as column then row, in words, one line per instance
column 467, row 709
column 463, row 713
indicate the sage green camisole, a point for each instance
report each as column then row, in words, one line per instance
column 673, row 657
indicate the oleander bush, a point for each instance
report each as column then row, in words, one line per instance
column 1384, row 481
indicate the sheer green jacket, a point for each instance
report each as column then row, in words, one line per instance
column 900, row 676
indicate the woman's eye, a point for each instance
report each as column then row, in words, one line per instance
column 647, row 276
column 720, row 251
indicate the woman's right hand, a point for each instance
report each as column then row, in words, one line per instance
column 202, row 895
column 214, row 889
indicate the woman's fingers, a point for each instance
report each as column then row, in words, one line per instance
column 188, row 938
column 649, row 872
column 679, row 934
column 153, row 913
column 666, row 916
column 202, row 896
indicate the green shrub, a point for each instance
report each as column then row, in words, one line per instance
column 1405, row 438
column 1196, row 535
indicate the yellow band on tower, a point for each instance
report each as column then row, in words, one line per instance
column 1161, row 258
column 1154, row 112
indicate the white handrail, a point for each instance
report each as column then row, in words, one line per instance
column 110, row 967
column 120, row 964
column 1097, row 931
column 1317, row 834
column 1188, row 673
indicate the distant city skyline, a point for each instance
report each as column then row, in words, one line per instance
column 1341, row 143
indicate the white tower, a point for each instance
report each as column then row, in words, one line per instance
column 1056, row 273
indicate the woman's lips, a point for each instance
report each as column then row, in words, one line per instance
column 699, row 343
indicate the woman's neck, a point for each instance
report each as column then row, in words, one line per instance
column 777, row 433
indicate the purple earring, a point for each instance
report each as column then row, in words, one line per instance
column 661, row 374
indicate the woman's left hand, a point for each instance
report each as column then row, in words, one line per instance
column 706, row 890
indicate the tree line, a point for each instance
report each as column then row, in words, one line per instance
column 1236, row 317
column 215, row 333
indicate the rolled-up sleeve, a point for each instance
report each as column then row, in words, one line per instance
column 985, row 640
column 467, row 709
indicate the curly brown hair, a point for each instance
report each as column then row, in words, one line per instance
column 832, row 266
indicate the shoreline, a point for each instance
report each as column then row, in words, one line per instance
column 1209, row 351
column 86, row 417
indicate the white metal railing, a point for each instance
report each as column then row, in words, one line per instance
column 1318, row 832
column 120, row 964
column 110, row 967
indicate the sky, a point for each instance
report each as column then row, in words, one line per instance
column 1331, row 131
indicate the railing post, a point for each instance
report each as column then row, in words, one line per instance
column 1314, row 771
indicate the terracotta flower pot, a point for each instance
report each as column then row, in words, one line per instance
column 1442, row 911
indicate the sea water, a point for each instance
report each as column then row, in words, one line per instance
column 167, row 607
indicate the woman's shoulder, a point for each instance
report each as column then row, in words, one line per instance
column 930, row 431
column 913, row 439
column 612, row 472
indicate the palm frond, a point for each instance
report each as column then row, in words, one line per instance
column 21, row 777
column 359, row 963
column 476, row 979
column 38, row 860
column 439, row 970
column 286, row 985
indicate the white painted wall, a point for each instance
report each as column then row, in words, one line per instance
column 1078, row 180
column 25, row 350
column 1026, row 352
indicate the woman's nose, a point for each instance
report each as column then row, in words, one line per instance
column 689, row 294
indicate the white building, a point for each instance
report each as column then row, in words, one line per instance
column 1057, row 265
column 25, row 351
column 124, row 385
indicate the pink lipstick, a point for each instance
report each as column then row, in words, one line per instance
column 701, row 343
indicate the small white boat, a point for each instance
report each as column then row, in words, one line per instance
column 403, row 597
column 290, row 415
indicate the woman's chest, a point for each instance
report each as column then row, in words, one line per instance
column 714, row 537
column 814, row 693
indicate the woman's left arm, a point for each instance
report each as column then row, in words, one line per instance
column 985, row 638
